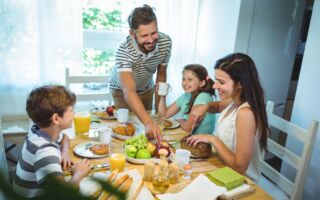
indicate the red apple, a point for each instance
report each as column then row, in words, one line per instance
column 110, row 110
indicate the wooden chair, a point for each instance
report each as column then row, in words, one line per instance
column 289, row 189
column 92, row 95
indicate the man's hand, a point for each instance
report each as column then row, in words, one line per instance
column 153, row 131
column 199, row 112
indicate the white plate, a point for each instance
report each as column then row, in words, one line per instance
column 141, row 161
column 82, row 151
column 139, row 130
column 175, row 124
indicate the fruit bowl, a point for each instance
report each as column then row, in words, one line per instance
column 139, row 150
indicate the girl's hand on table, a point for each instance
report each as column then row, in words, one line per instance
column 195, row 139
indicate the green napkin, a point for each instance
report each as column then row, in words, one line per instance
column 226, row 177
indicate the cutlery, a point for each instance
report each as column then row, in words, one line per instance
column 86, row 147
column 95, row 167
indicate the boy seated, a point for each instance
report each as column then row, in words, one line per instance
column 51, row 109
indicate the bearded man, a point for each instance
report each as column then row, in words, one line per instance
column 143, row 53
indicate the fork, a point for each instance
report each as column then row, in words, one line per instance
column 86, row 147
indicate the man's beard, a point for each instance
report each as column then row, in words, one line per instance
column 143, row 49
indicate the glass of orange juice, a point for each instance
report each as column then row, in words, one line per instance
column 82, row 122
column 117, row 161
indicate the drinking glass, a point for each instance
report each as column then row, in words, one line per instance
column 82, row 122
column 117, row 161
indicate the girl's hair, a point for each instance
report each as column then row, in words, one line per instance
column 46, row 100
column 241, row 68
column 202, row 74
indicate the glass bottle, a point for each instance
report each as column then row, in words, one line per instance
column 174, row 173
column 161, row 182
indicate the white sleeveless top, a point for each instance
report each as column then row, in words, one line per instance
column 226, row 132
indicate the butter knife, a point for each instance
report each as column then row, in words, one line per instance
column 195, row 126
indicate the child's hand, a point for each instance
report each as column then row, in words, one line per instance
column 81, row 168
column 65, row 160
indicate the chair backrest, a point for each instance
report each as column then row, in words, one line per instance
column 3, row 160
column 293, row 189
column 92, row 95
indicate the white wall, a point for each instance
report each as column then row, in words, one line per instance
column 217, row 31
column 272, row 42
column 306, row 107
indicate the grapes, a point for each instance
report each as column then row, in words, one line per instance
column 140, row 141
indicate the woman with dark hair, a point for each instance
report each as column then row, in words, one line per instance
column 198, row 91
column 242, row 128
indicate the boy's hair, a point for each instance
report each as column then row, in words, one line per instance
column 241, row 68
column 46, row 100
column 202, row 74
column 141, row 16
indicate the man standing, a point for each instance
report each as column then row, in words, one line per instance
column 142, row 54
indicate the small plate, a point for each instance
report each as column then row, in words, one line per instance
column 82, row 150
column 103, row 115
column 175, row 124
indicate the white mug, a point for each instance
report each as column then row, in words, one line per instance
column 164, row 88
column 182, row 157
column 122, row 115
column 104, row 135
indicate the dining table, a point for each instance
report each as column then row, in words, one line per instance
column 199, row 166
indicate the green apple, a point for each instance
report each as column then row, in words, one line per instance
column 131, row 151
column 143, row 154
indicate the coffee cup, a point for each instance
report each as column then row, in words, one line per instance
column 164, row 88
column 122, row 115
column 104, row 135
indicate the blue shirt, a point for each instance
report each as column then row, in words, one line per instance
column 208, row 122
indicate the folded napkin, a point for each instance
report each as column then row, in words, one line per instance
column 200, row 188
column 226, row 177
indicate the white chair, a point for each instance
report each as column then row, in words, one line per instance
column 288, row 189
column 92, row 95
column 3, row 160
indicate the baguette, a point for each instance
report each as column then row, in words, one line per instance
column 123, row 188
column 104, row 195
column 111, row 178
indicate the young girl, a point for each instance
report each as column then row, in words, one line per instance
column 242, row 127
column 198, row 91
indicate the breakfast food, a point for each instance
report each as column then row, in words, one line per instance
column 101, row 114
column 124, row 129
column 200, row 150
column 167, row 123
column 100, row 149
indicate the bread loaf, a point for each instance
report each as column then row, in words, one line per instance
column 201, row 150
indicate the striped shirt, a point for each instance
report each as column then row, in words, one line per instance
column 41, row 156
column 129, row 58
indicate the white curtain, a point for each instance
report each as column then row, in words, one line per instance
column 38, row 39
column 179, row 19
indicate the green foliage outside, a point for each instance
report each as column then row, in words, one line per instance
column 96, row 61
